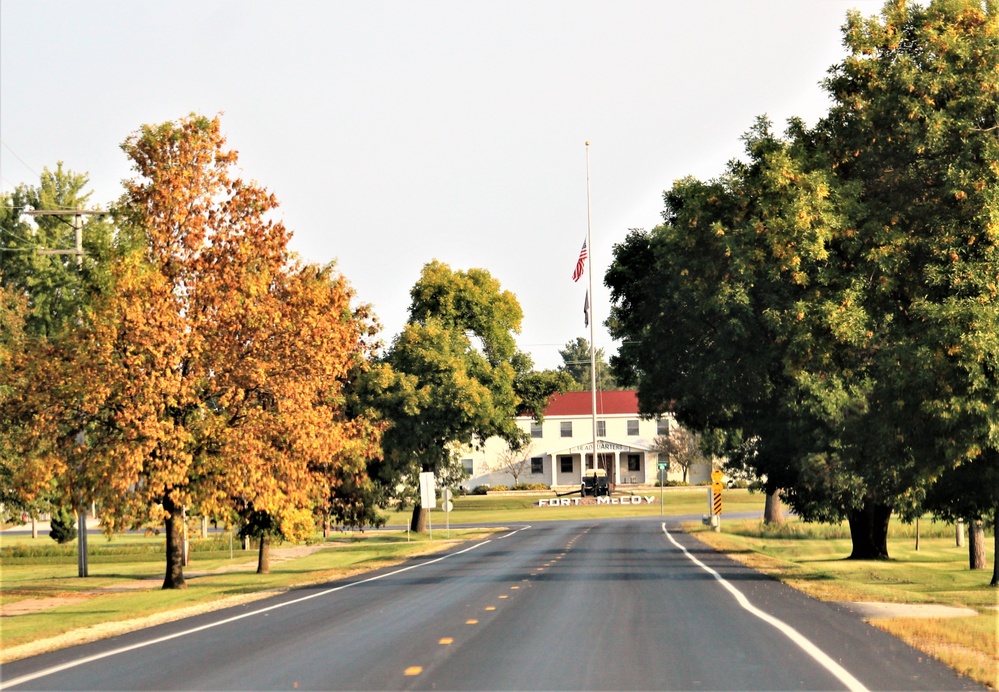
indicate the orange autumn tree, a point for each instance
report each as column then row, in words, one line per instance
column 282, row 375
column 216, row 360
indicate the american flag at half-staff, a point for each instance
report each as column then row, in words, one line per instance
column 580, row 263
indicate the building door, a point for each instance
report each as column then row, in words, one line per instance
column 604, row 461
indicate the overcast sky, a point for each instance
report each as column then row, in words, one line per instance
column 394, row 133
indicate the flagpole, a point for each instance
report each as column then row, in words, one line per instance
column 593, row 346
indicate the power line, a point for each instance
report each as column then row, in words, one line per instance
column 26, row 165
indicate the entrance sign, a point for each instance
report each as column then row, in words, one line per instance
column 603, row 500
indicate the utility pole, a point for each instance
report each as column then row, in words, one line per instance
column 77, row 215
column 82, row 563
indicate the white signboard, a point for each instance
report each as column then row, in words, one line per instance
column 428, row 490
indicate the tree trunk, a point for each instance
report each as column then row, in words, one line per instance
column 976, row 544
column 174, row 578
column 418, row 524
column 773, row 510
column 959, row 533
column 995, row 545
column 264, row 556
column 869, row 531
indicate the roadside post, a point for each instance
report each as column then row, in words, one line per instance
column 448, row 506
column 428, row 496
column 662, row 483
column 716, row 499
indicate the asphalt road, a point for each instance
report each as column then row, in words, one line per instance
column 609, row 605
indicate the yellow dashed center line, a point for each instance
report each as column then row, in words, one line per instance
column 414, row 670
column 504, row 596
column 446, row 640
column 514, row 587
column 471, row 622
column 490, row 607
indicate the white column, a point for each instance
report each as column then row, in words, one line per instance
column 554, row 469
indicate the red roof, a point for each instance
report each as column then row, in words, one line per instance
column 580, row 403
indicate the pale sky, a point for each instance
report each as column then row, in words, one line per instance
column 395, row 133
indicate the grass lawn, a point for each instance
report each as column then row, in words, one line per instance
column 107, row 602
column 812, row 558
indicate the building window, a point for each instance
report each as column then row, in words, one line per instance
column 537, row 465
column 468, row 466
column 634, row 462
column 601, row 428
column 662, row 426
column 565, row 464
column 633, row 427
column 566, row 428
column 536, row 430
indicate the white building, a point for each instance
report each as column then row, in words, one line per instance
column 560, row 444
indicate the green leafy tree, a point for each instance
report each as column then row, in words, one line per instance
column 576, row 364
column 844, row 279
column 53, row 293
column 54, row 285
column 970, row 492
column 454, row 376
column 915, row 127
column 735, row 272
column 62, row 525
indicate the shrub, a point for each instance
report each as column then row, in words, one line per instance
column 499, row 487
column 530, row 486
column 480, row 490
column 63, row 526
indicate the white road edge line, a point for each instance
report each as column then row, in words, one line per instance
column 815, row 652
column 507, row 535
column 4, row 684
